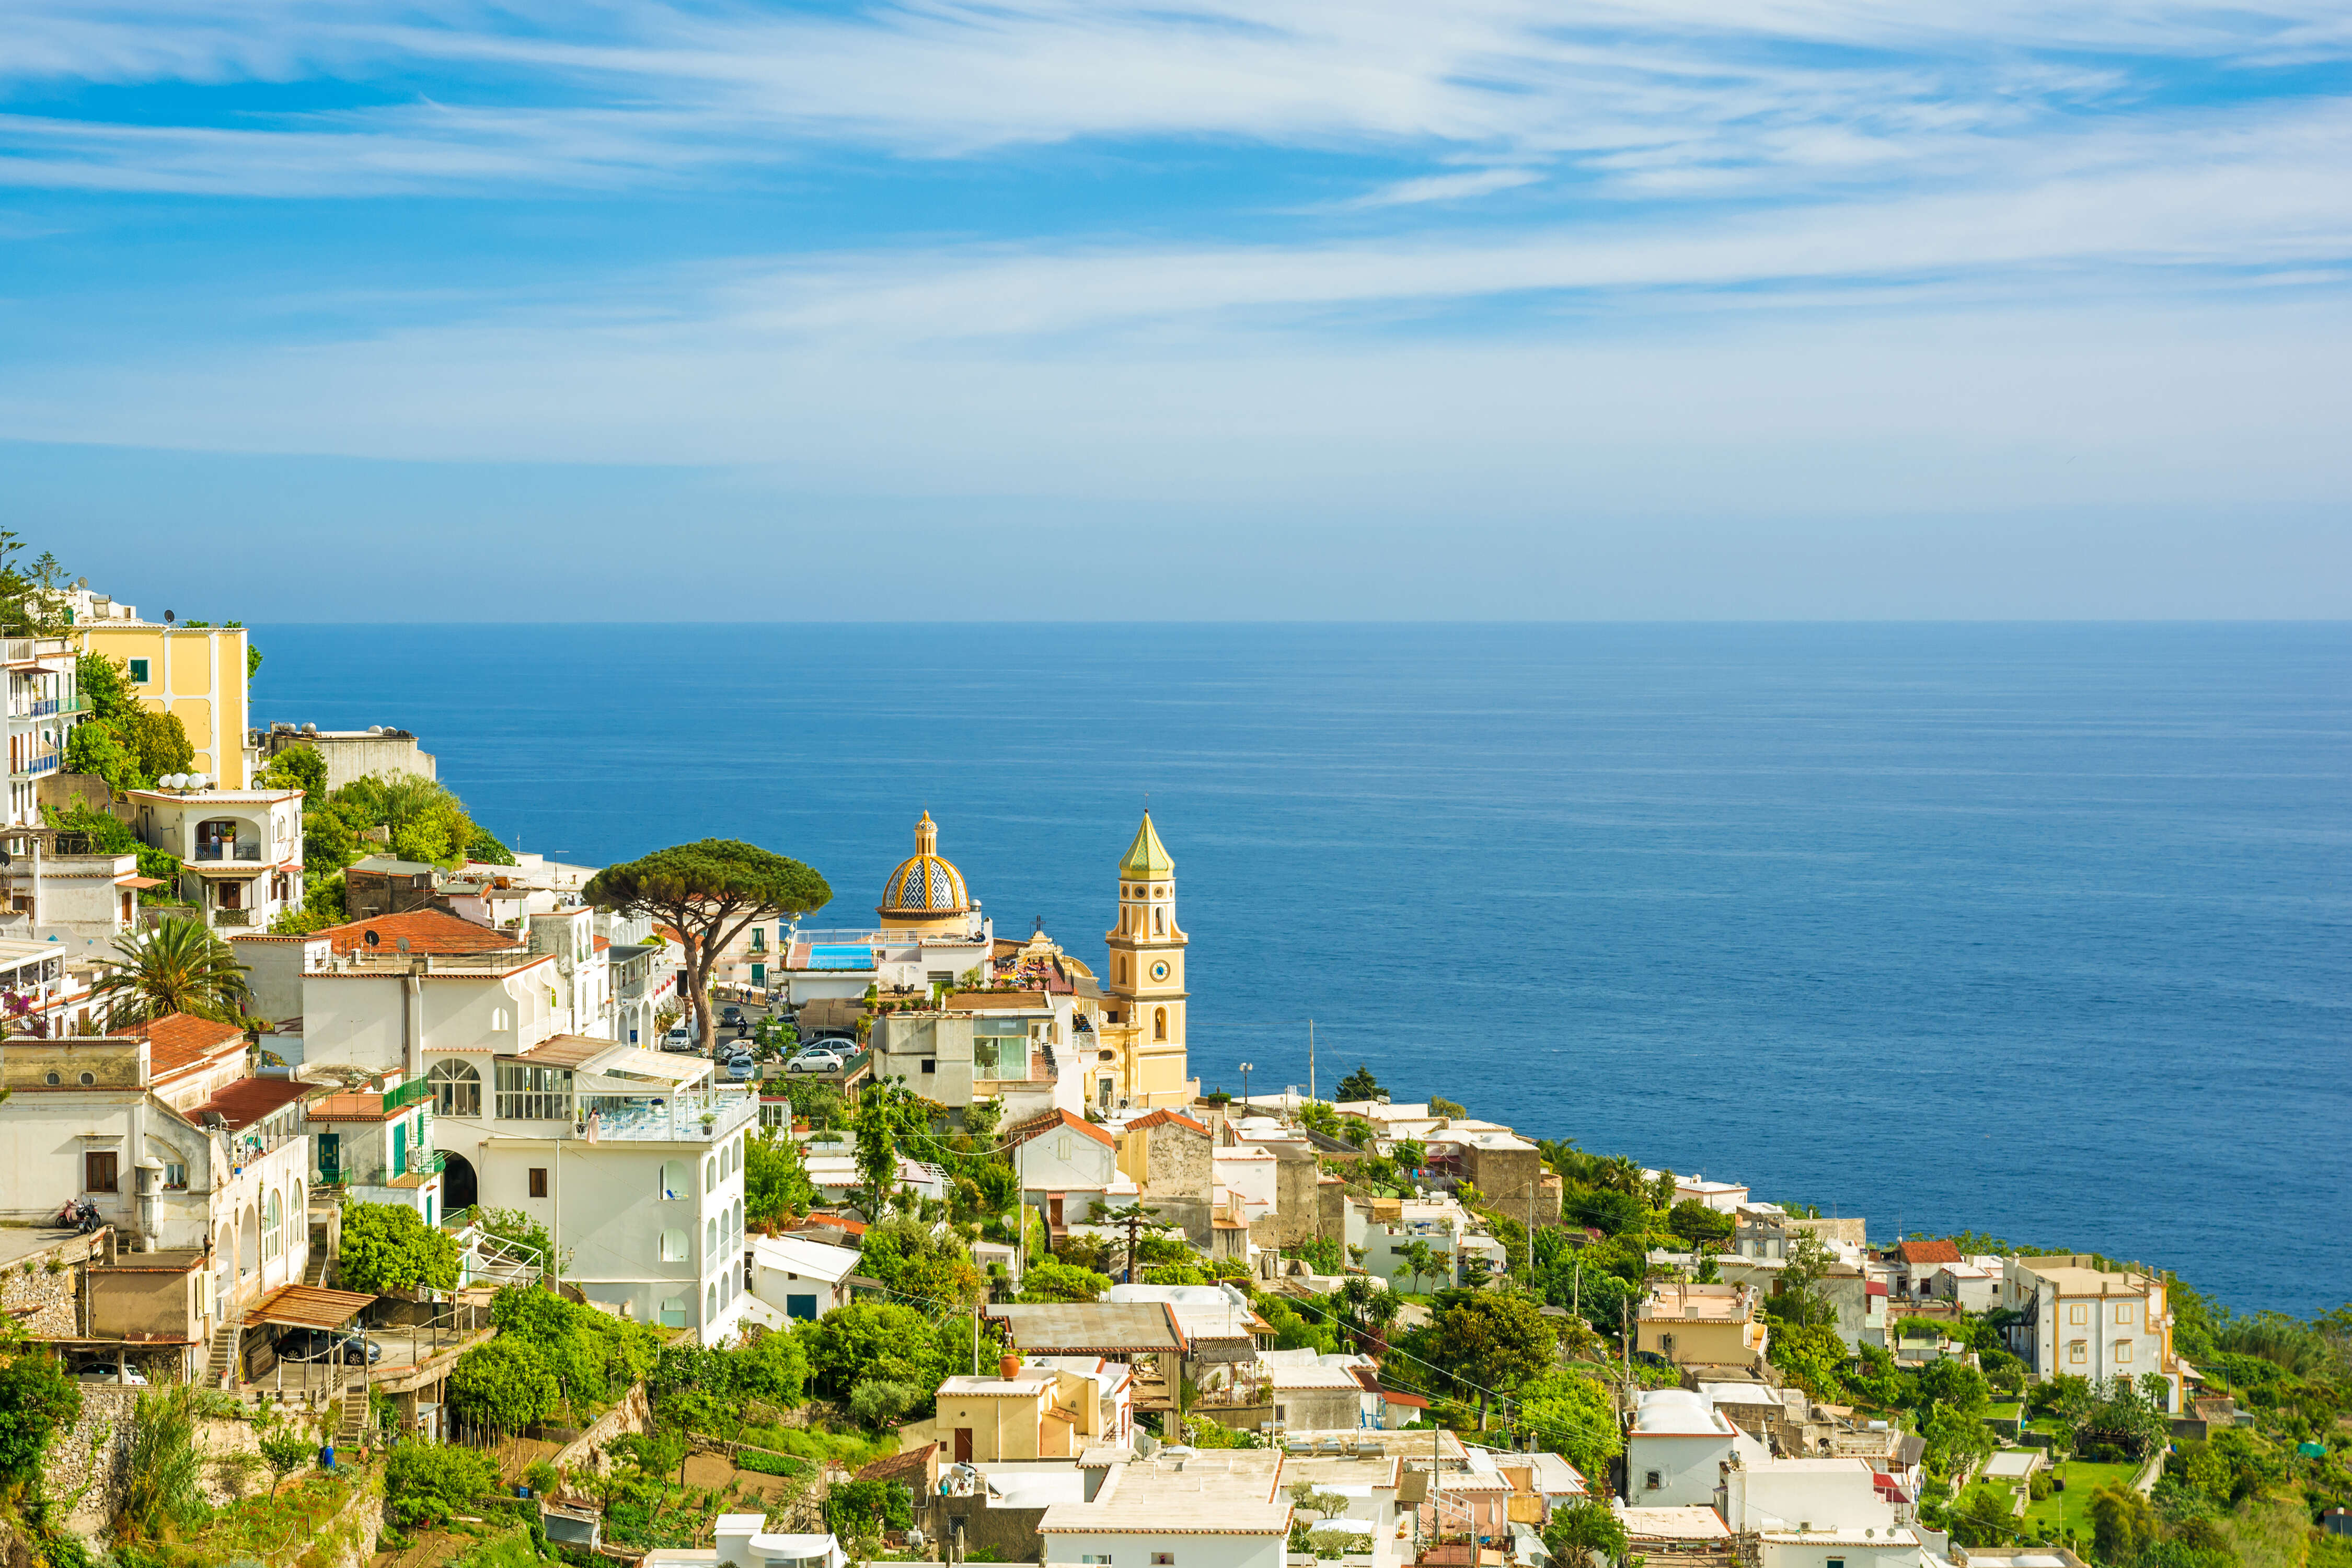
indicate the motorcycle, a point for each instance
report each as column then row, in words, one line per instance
column 78, row 1216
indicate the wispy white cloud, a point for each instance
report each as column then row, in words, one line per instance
column 1687, row 96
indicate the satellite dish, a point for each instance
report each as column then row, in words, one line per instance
column 402, row 943
column 172, row 781
column 372, row 940
column 199, row 781
column 168, row 617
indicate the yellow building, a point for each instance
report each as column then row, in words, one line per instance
column 1144, row 994
column 196, row 672
column 1701, row 1325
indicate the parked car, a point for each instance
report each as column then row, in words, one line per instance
column 677, row 1040
column 123, row 1374
column 328, row 1344
column 816, row 1058
column 741, row 1069
column 731, row 1013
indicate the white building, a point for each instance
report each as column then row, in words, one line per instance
column 1066, row 1165
column 632, row 1160
column 2079, row 1319
column 1724, row 1198
column 171, row 1139
column 1676, row 1449
column 1974, row 1282
column 241, row 849
column 1810, row 1513
column 1182, row 1508
column 83, row 901
column 42, row 700
column 800, row 1278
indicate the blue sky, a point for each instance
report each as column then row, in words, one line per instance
column 1037, row 309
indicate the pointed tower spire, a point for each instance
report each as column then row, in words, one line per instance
column 1147, row 860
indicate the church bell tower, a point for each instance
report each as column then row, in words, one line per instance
column 1147, row 957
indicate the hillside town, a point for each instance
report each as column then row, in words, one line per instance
column 376, row 1193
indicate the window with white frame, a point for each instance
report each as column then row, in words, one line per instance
column 533, row 1094
column 272, row 1231
column 673, row 1312
column 676, row 1181
column 673, row 1246
column 456, row 1089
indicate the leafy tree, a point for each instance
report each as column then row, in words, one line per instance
column 1696, row 1223
column 285, row 1450
column 859, row 1510
column 710, row 892
column 1419, row 1260
column 878, row 1154
column 1812, row 1354
column 421, row 817
column 36, row 1400
column 95, row 750
column 162, row 1480
column 424, row 1483
column 877, row 1402
column 1607, row 1210
column 159, row 740
column 1983, row 1518
column 872, row 1339
column 1359, row 1085
column 2123, row 1420
column 1599, row 1296
column 106, row 834
column 776, row 1187
column 32, row 597
column 299, row 766
column 2124, row 1524
column 922, row 1262
column 180, row 967
column 505, row 1385
column 1572, row 1415
column 1050, row 1279
column 1447, row 1109
column 389, row 1247
column 1954, row 1383
column 1799, row 1296
column 1492, row 1341
column 1581, row 1531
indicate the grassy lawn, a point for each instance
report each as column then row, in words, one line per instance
column 2070, row 1510
column 2004, row 1412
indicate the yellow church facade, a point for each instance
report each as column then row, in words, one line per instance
column 1144, row 996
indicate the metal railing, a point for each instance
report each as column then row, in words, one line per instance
column 237, row 849
column 44, row 708
column 420, row 1163
column 38, row 766
column 23, row 650
column 680, row 1118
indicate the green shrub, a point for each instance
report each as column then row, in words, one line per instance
column 766, row 1464
column 424, row 1483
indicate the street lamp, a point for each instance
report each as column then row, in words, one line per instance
column 1245, row 1072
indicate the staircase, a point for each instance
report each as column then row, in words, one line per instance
column 221, row 1368
column 355, row 1413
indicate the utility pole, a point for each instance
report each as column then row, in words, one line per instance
column 1310, row 1060
column 1134, row 1232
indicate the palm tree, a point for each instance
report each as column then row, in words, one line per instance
column 180, row 967
column 1419, row 1260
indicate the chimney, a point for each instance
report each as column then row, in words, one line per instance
column 1008, row 1367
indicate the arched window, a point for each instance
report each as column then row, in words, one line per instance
column 270, row 1219
column 710, row 1175
column 1158, row 921
column 710, row 1298
column 1160, row 1023
column 710, row 1236
column 675, row 1182
column 456, row 1089
column 673, row 1247
column 216, row 840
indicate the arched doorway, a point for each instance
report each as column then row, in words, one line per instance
column 459, row 1188
column 249, row 1242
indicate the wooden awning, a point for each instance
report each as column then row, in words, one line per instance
column 307, row 1307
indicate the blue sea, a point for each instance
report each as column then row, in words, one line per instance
column 2041, row 930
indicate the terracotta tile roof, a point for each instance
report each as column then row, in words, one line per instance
column 1917, row 1252
column 177, row 1042
column 913, row 1466
column 426, row 931
column 985, row 1001
column 248, row 1100
column 1037, row 1126
column 604, row 944
column 1162, row 1118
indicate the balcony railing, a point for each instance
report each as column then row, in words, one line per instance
column 231, row 851
column 38, row 766
column 24, row 650
column 677, row 1119
column 421, row 1163
column 45, row 708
